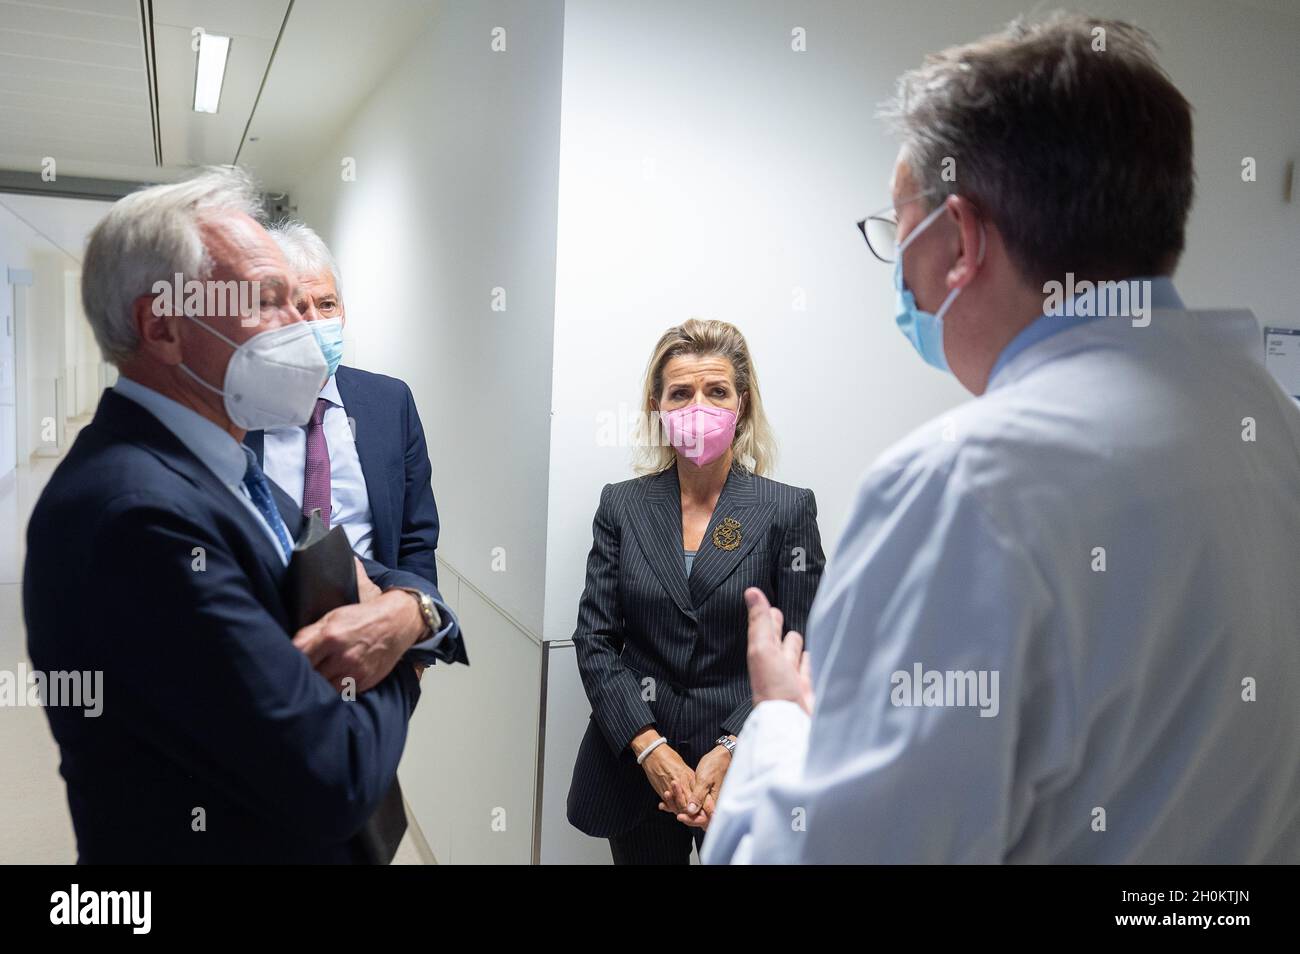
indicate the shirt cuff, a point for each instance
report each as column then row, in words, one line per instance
column 776, row 733
column 771, row 746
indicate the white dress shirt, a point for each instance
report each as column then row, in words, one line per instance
column 284, row 458
column 1122, row 729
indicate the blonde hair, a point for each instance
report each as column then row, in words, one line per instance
column 754, row 447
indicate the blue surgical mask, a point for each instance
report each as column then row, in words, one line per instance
column 329, row 335
column 923, row 329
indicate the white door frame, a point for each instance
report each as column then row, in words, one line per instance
column 20, row 279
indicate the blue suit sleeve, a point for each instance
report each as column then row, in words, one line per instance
column 419, row 537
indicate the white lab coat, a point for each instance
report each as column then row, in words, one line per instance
column 1123, row 731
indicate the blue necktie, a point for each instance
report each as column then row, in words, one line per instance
column 260, row 492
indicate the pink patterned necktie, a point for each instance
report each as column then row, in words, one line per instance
column 316, row 472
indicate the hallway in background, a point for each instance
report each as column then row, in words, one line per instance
column 35, row 827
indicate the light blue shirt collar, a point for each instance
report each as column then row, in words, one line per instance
column 216, row 449
column 1163, row 295
column 331, row 392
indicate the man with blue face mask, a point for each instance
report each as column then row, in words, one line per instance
column 1041, row 635
column 361, row 458
column 922, row 328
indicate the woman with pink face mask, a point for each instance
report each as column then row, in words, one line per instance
column 662, row 626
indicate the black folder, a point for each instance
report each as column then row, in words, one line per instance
column 322, row 577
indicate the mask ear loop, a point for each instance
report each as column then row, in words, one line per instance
column 208, row 328
column 215, row 390
column 184, row 367
column 943, row 309
column 924, row 224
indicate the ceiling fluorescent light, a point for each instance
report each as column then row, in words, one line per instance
column 212, row 70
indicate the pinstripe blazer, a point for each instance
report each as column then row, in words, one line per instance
column 657, row 646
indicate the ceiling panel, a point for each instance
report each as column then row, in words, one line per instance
column 45, row 103
column 47, row 70
column 76, row 156
column 70, row 50
column 116, row 8
column 72, row 126
column 77, row 90
column 73, row 86
column 73, row 82
column 45, row 18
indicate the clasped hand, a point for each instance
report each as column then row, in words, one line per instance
column 690, row 794
column 362, row 641
column 779, row 669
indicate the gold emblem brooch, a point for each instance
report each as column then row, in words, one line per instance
column 726, row 535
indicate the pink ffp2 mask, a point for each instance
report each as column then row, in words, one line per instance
column 701, row 433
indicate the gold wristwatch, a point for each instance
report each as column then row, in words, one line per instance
column 428, row 608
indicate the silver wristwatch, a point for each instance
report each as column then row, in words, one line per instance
column 728, row 743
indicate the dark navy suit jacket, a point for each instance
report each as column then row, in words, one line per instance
column 655, row 646
column 395, row 462
column 140, row 565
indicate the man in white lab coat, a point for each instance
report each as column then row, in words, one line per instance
column 1063, row 624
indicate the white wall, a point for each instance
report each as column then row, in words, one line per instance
column 81, row 353
column 707, row 169
column 455, row 195
column 456, row 155
column 470, row 765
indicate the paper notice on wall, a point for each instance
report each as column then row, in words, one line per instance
column 1282, row 357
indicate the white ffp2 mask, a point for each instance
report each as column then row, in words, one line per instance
column 273, row 378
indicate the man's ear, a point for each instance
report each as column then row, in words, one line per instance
column 970, row 240
column 159, row 335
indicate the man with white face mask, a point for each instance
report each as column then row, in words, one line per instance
column 157, row 555
column 1048, row 627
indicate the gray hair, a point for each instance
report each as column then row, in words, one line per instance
column 305, row 251
column 1067, row 134
column 150, row 236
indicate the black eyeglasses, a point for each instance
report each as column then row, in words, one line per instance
column 881, row 232
column 880, row 229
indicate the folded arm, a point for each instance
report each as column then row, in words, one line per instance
column 207, row 675
column 419, row 540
